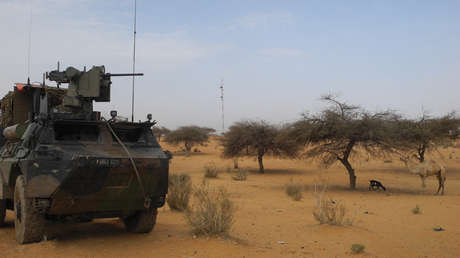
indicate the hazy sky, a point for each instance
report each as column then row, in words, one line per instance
column 276, row 57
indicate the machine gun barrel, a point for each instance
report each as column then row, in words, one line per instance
column 125, row 74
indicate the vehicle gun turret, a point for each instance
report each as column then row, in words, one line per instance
column 85, row 86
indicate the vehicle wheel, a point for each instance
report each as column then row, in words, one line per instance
column 28, row 223
column 141, row 221
column 2, row 211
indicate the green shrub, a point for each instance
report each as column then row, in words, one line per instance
column 329, row 211
column 212, row 213
column 240, row 175
column 357, row 248
column 294, row 190
column 211, row 171
column 180, row 188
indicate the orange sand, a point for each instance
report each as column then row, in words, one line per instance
column 266, row 215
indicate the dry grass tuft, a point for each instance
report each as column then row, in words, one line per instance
column 294, row 190
column 180, row 188
column 211, row 171
column 240, row 175
column 212, row 213
column 329, row 211
column 357, row 248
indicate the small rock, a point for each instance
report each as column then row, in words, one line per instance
column 438, row 229
column 282, row 242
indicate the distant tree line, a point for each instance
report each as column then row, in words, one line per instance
column 189, row 136
column 338, row 133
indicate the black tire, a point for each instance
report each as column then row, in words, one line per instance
column 28, row 223
column 141, row 221
column 2, row 212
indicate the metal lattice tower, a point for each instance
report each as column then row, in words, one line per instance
column 222, row 104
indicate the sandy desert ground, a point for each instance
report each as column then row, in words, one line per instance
column 270, row 224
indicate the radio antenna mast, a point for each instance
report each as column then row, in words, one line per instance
column 29, row 47
column 222, row 104
column 134, row 63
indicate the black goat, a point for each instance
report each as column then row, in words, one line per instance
column 375, row 185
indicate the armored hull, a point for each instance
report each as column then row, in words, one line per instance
column 95, row 178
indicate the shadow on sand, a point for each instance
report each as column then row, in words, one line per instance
column 269, row 171
column 102, row 229
column 191, row 154
column 397, row 170
column 403, row 170
column 365, row 189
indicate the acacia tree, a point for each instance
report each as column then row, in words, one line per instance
column 425, row 134
column 208, row 130
column 256, row 138
column 189, row 136
column 160, row 132
column 335, row 133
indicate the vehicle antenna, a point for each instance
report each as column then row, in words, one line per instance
column 222, row 104
column 29, row 46
column 134, row 63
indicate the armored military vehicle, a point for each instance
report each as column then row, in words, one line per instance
column 59, row 159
